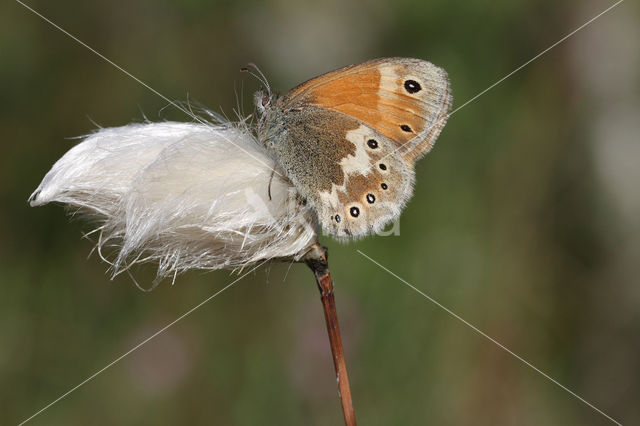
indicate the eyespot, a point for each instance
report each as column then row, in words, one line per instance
column 382, row 166
column 338, row 218
column 372, row 143
column 383, row 186
column 371, row 198
column 405, row 128
column 354, row 211
column 412, row 86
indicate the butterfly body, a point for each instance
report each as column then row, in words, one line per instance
column 348, row 140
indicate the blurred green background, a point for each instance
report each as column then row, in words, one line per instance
column 524, row 222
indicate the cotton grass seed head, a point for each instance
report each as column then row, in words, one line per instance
column 183, row 195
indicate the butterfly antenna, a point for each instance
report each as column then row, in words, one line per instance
column 253, row 69
column 264, row 78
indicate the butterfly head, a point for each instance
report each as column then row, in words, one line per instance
column 263, row 100
column 270, row 115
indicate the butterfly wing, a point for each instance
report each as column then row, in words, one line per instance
column 346, row 170
column 406, row 100
column 349, row 139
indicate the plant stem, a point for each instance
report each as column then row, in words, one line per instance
column 316, row 259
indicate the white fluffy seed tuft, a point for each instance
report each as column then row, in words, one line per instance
column 187, row 196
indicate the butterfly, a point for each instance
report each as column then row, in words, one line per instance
column 349, row 139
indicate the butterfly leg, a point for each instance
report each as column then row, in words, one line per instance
column 270, row 180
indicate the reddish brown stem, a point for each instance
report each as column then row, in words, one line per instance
column 317, row 261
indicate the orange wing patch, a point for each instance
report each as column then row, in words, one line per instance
column 362, row 95
column 355, row 95
column 375, row 94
